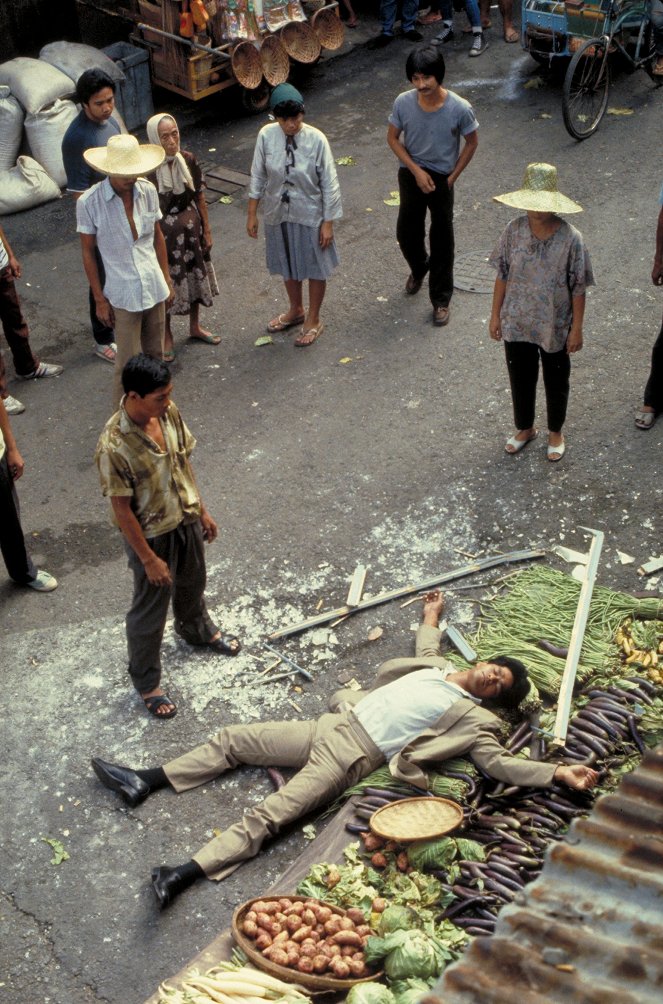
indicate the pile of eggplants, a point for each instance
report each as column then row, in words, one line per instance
column 516, row 825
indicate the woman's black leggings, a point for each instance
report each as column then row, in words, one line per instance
column 522, row 360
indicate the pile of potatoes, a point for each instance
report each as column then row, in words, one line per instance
column 309, row 937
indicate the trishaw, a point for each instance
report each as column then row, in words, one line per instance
column 590, row 33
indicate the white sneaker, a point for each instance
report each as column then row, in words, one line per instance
column 12, row 405
column 43, row 370
column 107, row 352
column 479, row 45
column 44, row 582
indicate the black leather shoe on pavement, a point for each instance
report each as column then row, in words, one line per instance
column 167, row 884
column 440, row 316
column 122, row 780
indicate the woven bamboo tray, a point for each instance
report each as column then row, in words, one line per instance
column 246, row 65
column 300, row 42
column 274, row 60
column 416, row 819
column 329, row 28
column 309, row 980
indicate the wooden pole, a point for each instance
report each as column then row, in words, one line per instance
column 394, row 594
column 577, row 635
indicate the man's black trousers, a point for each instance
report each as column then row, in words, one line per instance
column 411, row 233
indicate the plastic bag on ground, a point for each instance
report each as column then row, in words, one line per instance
column 25, row 186
column 11, row 128
column 73, row 58
column 45, row 131
column 35, row 83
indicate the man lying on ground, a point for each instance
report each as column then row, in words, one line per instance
column 420, row 711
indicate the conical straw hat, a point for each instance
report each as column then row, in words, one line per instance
column 124, row 157
column 539, row 193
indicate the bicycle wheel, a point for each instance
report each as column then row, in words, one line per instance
column 586, row 88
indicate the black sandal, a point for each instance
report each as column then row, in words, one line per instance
column 228, row 644
column 157, row 701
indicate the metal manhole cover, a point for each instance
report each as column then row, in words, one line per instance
column 473, row 273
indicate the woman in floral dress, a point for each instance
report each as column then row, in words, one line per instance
column 186, row 229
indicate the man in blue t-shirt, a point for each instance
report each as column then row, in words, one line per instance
column 425, row 130
column 93, row 127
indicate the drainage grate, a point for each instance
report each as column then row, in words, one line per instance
column 473, row 273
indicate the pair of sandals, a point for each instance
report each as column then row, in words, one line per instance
column 281, row 323
column 225, row 644
column 554, row 453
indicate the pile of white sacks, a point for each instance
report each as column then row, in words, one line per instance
column 36, row 108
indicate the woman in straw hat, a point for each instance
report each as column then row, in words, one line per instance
column 186, row 230
column 294, row 175
column 543, row 270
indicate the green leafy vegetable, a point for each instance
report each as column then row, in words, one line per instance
column 408, row 954
column 370, row 993
column 59, row 853
column 409, row 991
column 397, row 918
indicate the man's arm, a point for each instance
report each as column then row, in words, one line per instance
column 14, row 264
column 488, row 754
column 162, row 258
column 422, row 178
column 14, row 458
column 469, row 149
column 657, row 271
column 102, row 306
column 156, row 570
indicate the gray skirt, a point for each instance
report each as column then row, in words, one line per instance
column 293, row 252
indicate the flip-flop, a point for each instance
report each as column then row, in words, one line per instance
column 280, row 324
column 519, row 444
column 209, row 339
column 511, row 36
column 169, row 356
column 226, row 644
column 644, row 419
column 156, row 701
column 316, row 332
column 555, row 453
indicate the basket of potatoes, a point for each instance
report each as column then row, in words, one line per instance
column 296, row 938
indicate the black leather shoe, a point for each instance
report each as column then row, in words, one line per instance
column 122, row 780
column 167, row 884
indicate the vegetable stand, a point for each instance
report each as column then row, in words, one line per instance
column 200, row 47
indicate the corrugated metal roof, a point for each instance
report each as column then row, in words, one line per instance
column 589, row 930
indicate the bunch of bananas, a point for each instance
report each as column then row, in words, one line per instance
column 634, row 656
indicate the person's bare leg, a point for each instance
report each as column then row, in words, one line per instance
column 195, row 330
column 484, row 7
column 316, row 294
column 167, row 342
column 296, row 309
column 508, row 30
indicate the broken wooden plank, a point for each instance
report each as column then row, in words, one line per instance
column 395, row 594
column 460, row 642
column 653, row 565
column 356, row 586
column 577, row 635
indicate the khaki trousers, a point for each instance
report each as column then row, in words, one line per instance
column 332, row 753
column 136, row 331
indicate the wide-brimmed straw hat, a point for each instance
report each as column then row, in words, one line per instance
column 125, row 157
column 539, row 192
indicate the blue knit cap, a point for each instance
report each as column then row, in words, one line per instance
column 283, row 93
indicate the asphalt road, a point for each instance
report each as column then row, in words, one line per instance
column 381, row 444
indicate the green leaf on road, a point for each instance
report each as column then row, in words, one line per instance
column 59, row 853
column 346, row 161
column 226, row 200
column 264, row 340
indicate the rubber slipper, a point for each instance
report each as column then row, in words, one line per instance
column 156, row 701
column 227, row 644
column 281, row 324
column 519, row 444
column 555, row 453
column 169, row 356
column 511, row 36
column 207, row 339
column 645, row 419
column 305, row 338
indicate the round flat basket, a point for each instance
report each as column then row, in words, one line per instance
column 329, row 28
column 274, row 60
column 416, row 819
column 246, row 65
column 321, row 983
column 300, row 42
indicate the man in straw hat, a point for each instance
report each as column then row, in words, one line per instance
column 543, row 271
column 419, row 711
column 425, row 130
column 120, row 216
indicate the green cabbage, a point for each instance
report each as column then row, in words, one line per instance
column 408, row 954
column 370, row 993
column 410, row 991
column 397, row 918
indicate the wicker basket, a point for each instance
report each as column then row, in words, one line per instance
column 416, row 819
column 300, row 42
column 311, row 981
column 329, row 28
column 246, row 65
column 274, row 60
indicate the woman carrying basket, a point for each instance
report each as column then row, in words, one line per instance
column 293, row 173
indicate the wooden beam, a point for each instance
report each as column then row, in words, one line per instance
column 577, row 635
column 356, row 586
column 394, row 594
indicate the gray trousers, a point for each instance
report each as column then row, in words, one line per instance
column 332, row 753
column 182, row 550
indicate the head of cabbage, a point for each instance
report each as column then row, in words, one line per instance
column 398, row 918
column 407, row 954
column 410, row 991
column 370, row 993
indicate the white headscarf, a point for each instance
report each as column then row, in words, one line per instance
column 173, row 175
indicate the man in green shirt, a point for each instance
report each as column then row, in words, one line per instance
column 143, row 457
